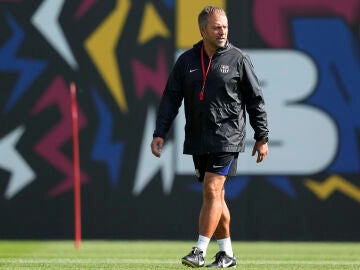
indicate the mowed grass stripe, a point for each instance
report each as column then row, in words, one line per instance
column 167, row 255
column 164, row 261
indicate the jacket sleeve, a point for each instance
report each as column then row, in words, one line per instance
column 254, row 100
column 170, row 101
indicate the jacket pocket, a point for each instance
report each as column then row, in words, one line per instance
column 226, row 121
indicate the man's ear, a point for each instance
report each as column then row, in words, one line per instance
column 202, row 31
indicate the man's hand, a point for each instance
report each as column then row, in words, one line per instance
column 156, row 146
column 262, row 149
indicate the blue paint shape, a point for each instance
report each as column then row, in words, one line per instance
column 104, row 149
column 28, row 69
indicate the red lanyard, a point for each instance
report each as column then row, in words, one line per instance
column 204, row 74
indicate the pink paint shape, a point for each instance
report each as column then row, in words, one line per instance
column 49, row 147
column 272, row 18
column 83, row 8
column 148, row 78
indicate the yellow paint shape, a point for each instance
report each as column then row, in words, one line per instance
column 330, row 185
column 186, row 27
column 152, row 25
column 101, row 46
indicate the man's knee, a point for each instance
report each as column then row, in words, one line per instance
column 213, row 186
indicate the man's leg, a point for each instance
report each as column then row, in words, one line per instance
column 209, row 217
column 223, row 229
column 212, row 206
column 225, row 257
column 222, row 232
column 210, row 211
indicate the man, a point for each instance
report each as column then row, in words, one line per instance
column 217, row 83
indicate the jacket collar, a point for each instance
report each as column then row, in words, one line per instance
column 228, row 45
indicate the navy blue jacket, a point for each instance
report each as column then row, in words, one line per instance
column 216, row 124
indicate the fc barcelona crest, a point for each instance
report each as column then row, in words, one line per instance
column 224, row 69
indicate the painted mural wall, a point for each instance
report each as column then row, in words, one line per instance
column 119, row 54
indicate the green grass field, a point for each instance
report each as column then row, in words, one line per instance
column 167, row 254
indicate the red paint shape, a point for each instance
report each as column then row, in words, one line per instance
column 272, row 18
column 145, row 77
column 49, row 147
column 83, row 8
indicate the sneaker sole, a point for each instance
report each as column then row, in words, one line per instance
column 189, row 264
column 233, row 266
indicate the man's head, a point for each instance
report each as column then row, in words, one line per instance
column 213, row 25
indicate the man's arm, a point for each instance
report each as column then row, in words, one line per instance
column 255, row 106
column 169, row 106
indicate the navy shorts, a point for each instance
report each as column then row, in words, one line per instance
column 219, row 163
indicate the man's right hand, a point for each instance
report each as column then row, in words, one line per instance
column 156, row 146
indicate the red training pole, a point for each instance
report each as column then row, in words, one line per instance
column 77, row 196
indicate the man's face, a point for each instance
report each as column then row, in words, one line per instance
column 216, row 31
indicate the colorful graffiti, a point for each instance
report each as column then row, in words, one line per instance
column 101, row 45
column 120, row 53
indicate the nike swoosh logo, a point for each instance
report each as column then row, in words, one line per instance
column 225, row 265
column 217, row 166
column 192, row 70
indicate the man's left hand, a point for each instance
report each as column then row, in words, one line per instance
column 262, row 149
